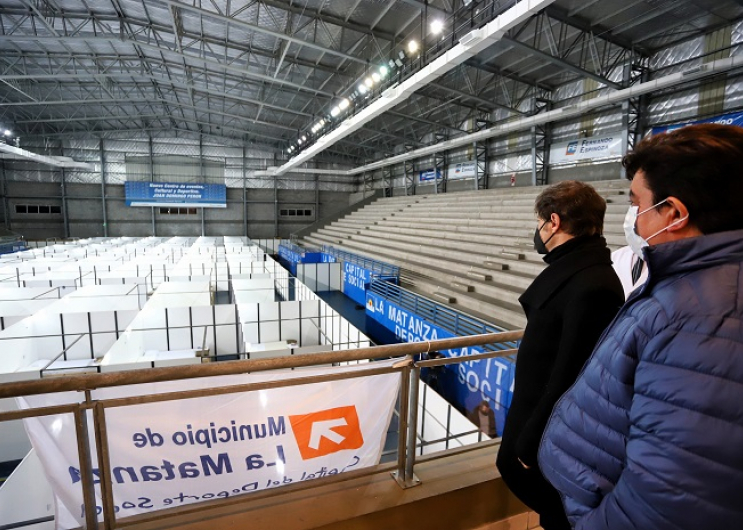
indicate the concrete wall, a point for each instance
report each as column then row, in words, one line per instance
column 85, row 212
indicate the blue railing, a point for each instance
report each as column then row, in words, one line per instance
column 440, row 315
column 14, row 246
column 378, row 268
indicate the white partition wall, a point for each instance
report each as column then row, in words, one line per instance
column 321, row 276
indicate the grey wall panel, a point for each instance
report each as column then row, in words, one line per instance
column 587, row 173
column 86, row 229
column 85, row 212
column 233, row 228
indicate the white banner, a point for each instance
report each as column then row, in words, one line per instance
column 462, row 170
column 173, row 453
column 588, row 148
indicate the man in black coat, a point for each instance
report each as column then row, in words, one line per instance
column 567, row 308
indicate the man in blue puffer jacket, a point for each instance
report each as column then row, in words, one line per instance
column 650, row 436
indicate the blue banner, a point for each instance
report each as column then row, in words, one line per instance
column 355, row 281
column 429, row 174
column 289, row 257
column 465, row 384
column 735, row 118
column 188, row 195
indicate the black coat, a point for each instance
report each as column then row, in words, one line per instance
column 567, row 308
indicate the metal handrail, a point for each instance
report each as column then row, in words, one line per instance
column 408, row 409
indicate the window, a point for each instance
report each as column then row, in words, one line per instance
column 178, row 211
column 44, row 209
column 292, row 213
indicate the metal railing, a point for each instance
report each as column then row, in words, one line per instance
column 378, row 268
column 439, row 314
column 407, row 368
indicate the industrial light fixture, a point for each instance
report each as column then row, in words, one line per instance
column 437, row 26
column 363, row 90
column 7, row 132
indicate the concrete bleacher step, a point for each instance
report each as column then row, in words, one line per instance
column 480, row 276
column 441, row 297
column 495, row 265
column 490, row 292
column 463, row 286
column 386, row 251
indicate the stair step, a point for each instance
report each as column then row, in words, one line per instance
column 444, row 298
column 464, row 286
column 513, row 255
column 480, row 276
column 494, row 265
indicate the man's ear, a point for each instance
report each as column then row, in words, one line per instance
column 678, row 215
column 555, row 220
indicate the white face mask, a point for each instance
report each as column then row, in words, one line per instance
column 634, row 240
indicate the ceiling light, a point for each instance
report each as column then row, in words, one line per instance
column 376, row 77
column 413, row 46
column 7, row 132
column 335, row 111
column 398, row 62
column 300, row 141
column 383, row 70
column 437, row 26
column 304, row 138
column 344, row 104
column 369, row 82
column 362, row 89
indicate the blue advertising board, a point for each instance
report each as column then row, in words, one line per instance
column 189, row 195
column 734, row 118
column 355, row 280
column 429, row 174
column 464, row 384
column 289, row 256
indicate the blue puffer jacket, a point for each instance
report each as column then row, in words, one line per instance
column 651, row 434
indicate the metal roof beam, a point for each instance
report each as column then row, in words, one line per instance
column 259, row 29
column 562, row 63
column 315, row 14
column 157, row 49
column 597, row 31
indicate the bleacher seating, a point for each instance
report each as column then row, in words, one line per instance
column 472, row 250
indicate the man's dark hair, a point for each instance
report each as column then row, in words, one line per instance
column 701, row 166
column 580, row 207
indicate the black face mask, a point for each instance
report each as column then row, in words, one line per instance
column 539, row 245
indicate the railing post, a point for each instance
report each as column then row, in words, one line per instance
column 86, row 467
column 104, row 466
column 402, row 426
column 410, row 478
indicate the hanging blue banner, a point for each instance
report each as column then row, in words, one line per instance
column 466, row 384
column 187, row 195
column 735, row 118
